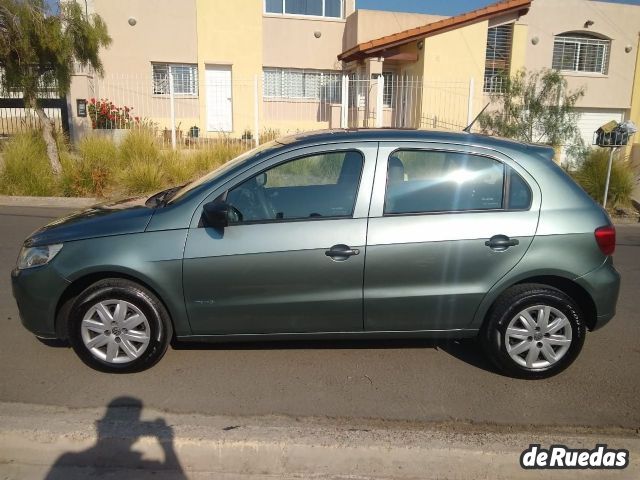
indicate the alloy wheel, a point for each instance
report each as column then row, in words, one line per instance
column 115, row 331
column 538, row 337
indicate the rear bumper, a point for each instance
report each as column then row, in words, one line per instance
column 37, row 291
column 603, row 284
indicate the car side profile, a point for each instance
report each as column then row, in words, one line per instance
column 335, row 235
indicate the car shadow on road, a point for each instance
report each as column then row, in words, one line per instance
column 467, row 350
column 118, row 430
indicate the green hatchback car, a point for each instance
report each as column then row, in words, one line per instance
column 334, row 235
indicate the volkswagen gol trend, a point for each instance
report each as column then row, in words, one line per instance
column 332, row 235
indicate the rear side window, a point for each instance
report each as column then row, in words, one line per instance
column 420, row 181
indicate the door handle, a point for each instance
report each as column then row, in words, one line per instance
column 341, row 252
column 500, row 243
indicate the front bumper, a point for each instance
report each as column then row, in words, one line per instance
column 603, row 284
column 37, row 292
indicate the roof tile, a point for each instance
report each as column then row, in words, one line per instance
column 364, row 49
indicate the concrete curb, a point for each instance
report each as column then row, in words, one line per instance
column 33, row 438
column 53, row 202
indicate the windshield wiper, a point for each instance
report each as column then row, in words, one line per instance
column 160, row 199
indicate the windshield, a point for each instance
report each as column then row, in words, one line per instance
column 222, row 169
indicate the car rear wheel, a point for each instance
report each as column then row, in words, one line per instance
column 533, row 331
column 118, row 326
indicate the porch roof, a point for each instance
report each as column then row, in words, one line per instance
column 379, row 45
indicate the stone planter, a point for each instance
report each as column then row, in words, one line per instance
column 116, row 135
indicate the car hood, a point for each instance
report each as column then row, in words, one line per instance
column 103, row 220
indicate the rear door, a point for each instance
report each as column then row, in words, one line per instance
column 446, row 224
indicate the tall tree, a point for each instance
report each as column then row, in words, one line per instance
column 535, row 107
column 39, row 48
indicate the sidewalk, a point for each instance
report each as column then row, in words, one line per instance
column 53, row 202
column 34, row 438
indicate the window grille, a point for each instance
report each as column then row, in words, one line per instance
column 293, row 83
column 387, row 91
column 185, row 79
column 498, row 58
column 581, row 53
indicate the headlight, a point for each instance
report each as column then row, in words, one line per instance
column 36, row 256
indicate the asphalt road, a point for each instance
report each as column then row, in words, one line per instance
column 382, row 380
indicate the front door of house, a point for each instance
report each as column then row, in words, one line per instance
column 219, row 98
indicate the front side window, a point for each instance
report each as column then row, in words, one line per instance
column 420, row 181
column 313, row 187
column 498, row 58
column 314, row 8
column 581, row 53
column 185, row 78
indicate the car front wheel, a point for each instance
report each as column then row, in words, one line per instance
column 533, row 331
column 118, row 326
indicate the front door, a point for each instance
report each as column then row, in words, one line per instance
column 294, row 262
column 447, row 223
column 219, row 98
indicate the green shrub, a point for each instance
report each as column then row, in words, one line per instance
column 91, row 172
column 99, row 168
column 592, row 176
column 179, row 167
column 139, row 144
column 141, row 177
column 26, row 169
column 141, row 165
column 213, row 156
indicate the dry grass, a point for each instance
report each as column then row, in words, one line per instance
column 99, row 168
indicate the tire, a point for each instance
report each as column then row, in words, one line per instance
column 98, row 321
column 510, row 339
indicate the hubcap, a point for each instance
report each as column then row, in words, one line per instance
column 538, row 337
column 115, row 331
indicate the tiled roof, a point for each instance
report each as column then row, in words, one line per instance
column 365, row 49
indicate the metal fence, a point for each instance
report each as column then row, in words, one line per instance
column 16, row 117
column 186, row 111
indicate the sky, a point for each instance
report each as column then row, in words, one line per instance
column 437, row 7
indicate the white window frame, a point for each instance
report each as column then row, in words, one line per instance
column 284, row 95
column 581, row 41
column 300, row 15
column 193, row 82
column 388, row 89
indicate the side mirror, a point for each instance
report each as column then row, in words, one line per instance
column 220, row 215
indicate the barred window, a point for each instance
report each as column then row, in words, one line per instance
column 498, row 58
column 185, row 78
column 315, row 8
column 387, row 91
column 302, row 84
column 579, row 52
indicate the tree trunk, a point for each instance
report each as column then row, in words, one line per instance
column 49, row 140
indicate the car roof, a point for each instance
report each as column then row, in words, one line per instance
column 404, row 135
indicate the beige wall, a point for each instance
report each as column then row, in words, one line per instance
column 291, row 43
column 619, row 22
column 365, row 25
column 165, row 32
column 456, row 57
column 230, row 33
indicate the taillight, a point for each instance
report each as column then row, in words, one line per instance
column 606, row 239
